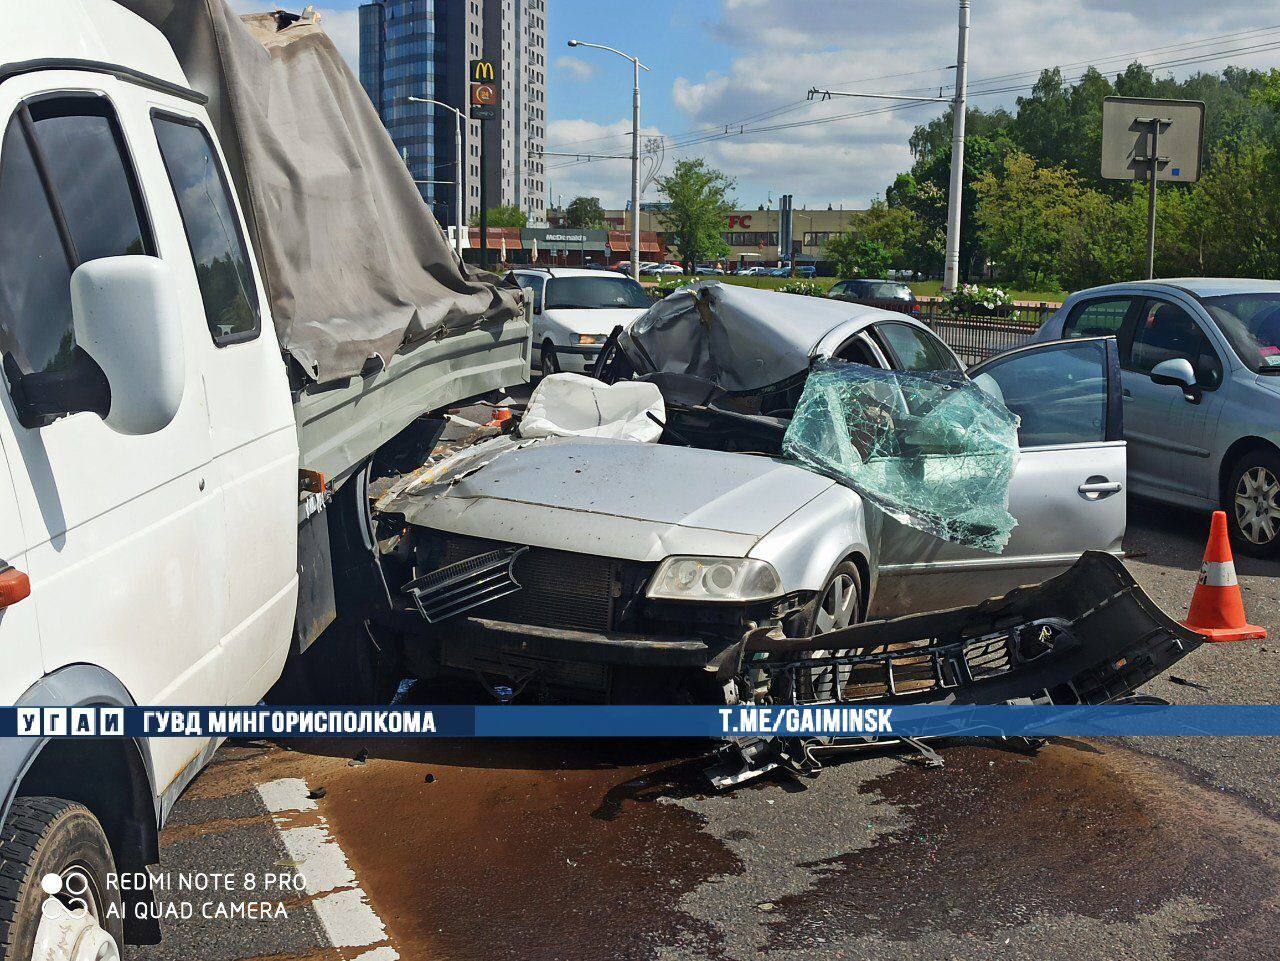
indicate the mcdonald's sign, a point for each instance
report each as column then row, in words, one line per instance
column 484, row 90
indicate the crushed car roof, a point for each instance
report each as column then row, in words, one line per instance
column 740, row 338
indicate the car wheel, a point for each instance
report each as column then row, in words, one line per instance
column 838, row 605
column 1253, row 504
column 550, row 363
column 43, row 837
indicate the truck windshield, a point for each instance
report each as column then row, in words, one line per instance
column 594, row 293
column 1251, row 324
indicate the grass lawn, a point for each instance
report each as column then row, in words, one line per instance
column 921, row 288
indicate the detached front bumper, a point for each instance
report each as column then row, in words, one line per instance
column 1090, row 635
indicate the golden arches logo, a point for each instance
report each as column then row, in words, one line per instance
column 481, row 71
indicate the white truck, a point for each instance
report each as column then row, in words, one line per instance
column 182, row 448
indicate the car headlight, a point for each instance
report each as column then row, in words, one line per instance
column 590, row 340
column 714, row 579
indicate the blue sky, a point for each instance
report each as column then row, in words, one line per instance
column 748, row 63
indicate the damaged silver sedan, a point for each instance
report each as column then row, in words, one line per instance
column 747, row 464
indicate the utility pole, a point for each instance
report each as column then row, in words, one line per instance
column 458, row 225
column 951, row 273
column 637, row 66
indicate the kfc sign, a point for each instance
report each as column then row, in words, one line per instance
column 739, row 221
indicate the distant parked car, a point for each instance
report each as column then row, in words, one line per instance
column 882, row 293
column 659, row 270
column 1200, row 363
column 573, row 312
column 709, row 270
column 756, row 271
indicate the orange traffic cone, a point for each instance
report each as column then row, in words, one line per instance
column 1217, row 610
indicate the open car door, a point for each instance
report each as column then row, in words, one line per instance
column 1067, row 492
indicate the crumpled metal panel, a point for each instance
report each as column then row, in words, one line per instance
column 932, row 450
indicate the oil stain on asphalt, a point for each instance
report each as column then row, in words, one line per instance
column 585, row 850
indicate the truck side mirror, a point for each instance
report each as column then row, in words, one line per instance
column 126, row 316
column 1177, row 372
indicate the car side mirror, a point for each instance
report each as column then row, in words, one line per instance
column 1177, row 372
column 126, row 315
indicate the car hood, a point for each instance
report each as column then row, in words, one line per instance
column 619, row 498
column 600, row 321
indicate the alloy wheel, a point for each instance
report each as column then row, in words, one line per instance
column 1257, row 505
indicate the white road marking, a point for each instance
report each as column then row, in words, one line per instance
column 344, row 911
column 286, row 794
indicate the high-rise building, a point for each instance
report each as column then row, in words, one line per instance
column 423, row 48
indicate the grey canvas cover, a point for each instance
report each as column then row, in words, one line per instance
column 356, row 266
column 738, row 338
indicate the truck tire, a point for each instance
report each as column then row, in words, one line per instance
column 550, row 360
column 1252, row 501
column 48, row 835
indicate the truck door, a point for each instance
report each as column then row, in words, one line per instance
column 125, row 542
column 1067, row 492
column 254, row 438
column 19, row 635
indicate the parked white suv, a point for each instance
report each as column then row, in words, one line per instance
column 574, row 311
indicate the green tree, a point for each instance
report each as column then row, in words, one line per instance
column 1023, row 210
column 697, row 211
column 508, row 215
column 585, row 213
column 856, row 257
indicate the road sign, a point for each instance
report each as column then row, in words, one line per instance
column 484, row 90
column 1128, row 134
column 1152, row 140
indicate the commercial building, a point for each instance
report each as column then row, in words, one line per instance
column 752, row 235
column 423, row 48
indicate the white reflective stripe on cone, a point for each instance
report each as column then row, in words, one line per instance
column 1218, row 574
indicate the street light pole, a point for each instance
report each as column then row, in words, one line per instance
column 951, row 274
column 635, row 150
column 457, row 170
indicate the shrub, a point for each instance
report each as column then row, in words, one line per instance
column 806, row 288
column 975, row 299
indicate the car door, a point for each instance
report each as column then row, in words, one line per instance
column 1169, row 430
column 251, row 422
column 533, row 288
column 1067, row 492
column 124, row 533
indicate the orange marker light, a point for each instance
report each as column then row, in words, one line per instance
column 14, row 586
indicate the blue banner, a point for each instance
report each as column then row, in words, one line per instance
column 644, row 721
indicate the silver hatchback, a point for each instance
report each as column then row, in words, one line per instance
column 1200, row 363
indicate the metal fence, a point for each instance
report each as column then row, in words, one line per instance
column 975, row 339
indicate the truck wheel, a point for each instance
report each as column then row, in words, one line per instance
column 550, row 363
column 44, row 836
column 1253, row 504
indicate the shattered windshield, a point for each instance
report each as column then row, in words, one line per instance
column 932, row 450
column 595, row 293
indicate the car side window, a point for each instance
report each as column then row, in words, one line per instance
column 218, row 248
column 1097, row 318
column 67, row 196
column 838, row 290
column 913, row 349
column 534, row 286
column 1165, row 331
column 1058, row 392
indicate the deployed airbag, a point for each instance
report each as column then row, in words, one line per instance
column 932, row 450
column 570, row 405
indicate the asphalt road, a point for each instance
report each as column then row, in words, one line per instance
column 1147, row 848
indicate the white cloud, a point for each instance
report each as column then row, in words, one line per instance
column 576, row 69
column 906, row 46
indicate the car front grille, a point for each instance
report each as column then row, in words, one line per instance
column 557, row 588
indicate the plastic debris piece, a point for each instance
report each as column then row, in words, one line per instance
column 570, row 405
column 932, row 450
